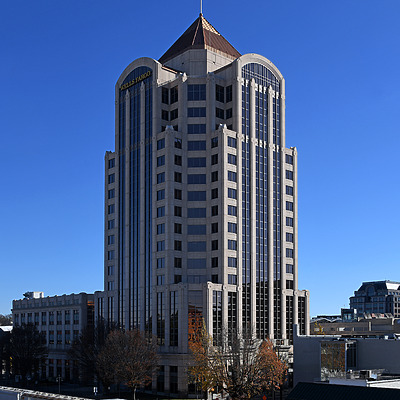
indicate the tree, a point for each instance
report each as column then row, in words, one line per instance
column 27, row 350
column 86, row 348
column 128, row 357
column 5, row 320
column 5, row 356
column 236, row 363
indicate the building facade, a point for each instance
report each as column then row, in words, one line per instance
column 377, row 297
column 61, row 319
column 201, row 200
column 323, row 357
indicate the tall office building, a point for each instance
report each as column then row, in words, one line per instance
column 201, row 199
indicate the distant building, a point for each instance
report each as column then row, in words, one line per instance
column 377, row 297
column 62, row 319
column 326, row 357
column 351, row 324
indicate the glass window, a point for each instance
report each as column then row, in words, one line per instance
column 229, row 93
column 232, row 142
column 289, row 237
column 289, row 206
column 195, row 145
column 214, row 193
column 196, row 128
column 110, row 271
column 196, row 162
column 111, row 178
column 177, row 245
column 214, row 227
column 214, row 142
column 177, row 211
column 161, row 177
column 289, row 159
column 214, row 262
column 289, row 190
column 231, row 159
column 111, row 193
column 232, row 262
column 232, row 279
column 232, row 210
column 289, row 268
column 111, row 224
column 232, row 244
column 220, row 113
column 160, row 229
column 197, row 246
column 214, row 278
column 160, row 161
column 174, row 94
column 228, row 113
column 178, row 160
column 214, row 159
column 178, row 143
column 164, row 115
column 111, row 209
column 160, row 263
column 111, row 163
column 289, row 253
column 214, row 244
column 196, row 179
column 110, row 255
column 196, row 92
column 214, row 211
column 164, row 95
column 173, row 114
column 196, row 112
column 178, row 177
column 220, row 93
column 178, row 228
column 161, row 245
column 178, row 194
column 160, row 280
column 197, row 195
column 232, row 193
column 160, row 144
column 214, row 176
column 232, row 227
column 289, row 174
column 161, row 194
column 232, row 176
column 160, row 211
column 289, row 221
column 196, row 212
column 196, row 229
column 177, row 262
column 111, row 239
column 177, row 279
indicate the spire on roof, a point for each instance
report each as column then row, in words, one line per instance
column 200, row 35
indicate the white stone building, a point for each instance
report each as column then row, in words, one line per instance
column 62, row 319
column 201, row 200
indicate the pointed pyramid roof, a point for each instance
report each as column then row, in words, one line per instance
column 200, row 35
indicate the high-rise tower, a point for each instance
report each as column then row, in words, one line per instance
column 201, row 199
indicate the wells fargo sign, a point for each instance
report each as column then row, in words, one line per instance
column 135, row 81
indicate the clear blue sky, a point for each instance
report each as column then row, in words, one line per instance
column 59, row 64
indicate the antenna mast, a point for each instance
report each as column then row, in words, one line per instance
column 201, row 7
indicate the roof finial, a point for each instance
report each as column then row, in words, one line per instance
column 201, row 7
